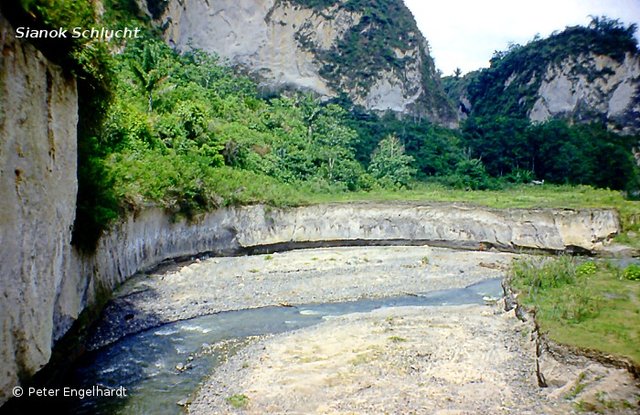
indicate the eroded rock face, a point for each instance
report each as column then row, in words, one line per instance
column 143, row 240
column 452, row 225
column 288, row 45
column 592, row 88
column 257, row 35
column 38, row 118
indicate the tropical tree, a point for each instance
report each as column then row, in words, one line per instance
column 149, row 71
column 390, row 165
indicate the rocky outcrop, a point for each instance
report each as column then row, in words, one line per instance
column 582, row 75
column 259, row 35
column 592, row 87
column 38, row 118
column 145, row 239
column 149, row 237
column 381, row 63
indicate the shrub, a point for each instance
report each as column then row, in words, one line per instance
column 553, row 287
column 586, row 269
column 238, row 401
column 390, row 165
column 632, row 272
column 577, row 305
column 536, row 276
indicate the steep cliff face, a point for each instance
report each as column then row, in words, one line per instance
column 590, row 87
column 38, row 118
column 372, row 51
column 582, row 74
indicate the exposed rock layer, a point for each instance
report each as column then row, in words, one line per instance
column 144, row 240
column 38, row 118
column 590, row 88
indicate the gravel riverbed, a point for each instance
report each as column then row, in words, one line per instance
column 402, row 360
column 465, row 359
column 186, row 290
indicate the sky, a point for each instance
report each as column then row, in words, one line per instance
column 465, row 33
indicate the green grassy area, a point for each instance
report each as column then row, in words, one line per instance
column 517, row 196
column 590, row 305
column 238, row 401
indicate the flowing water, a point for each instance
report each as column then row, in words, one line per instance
column 165, row 365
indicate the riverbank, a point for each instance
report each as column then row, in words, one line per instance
column 468, row 359
column 436, row 360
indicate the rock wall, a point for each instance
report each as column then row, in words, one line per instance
column 38, row 118
column 145, row 239
column 241, row 32
column 580, row 75
column 592, row 87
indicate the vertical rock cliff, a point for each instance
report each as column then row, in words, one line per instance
column 38, row 119
column 370, row 50
column 582, row 74
column 592, row 87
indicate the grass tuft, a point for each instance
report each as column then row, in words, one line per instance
column 238, row 401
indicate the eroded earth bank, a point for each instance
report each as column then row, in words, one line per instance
column 460, row 354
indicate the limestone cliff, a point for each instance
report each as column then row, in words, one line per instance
column 583, row 74
column 570, row 90
column 38, row 118
column 372, row 51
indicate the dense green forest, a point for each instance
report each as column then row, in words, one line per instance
column 184, row 131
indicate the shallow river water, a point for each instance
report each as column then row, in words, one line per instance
column 163, row 366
